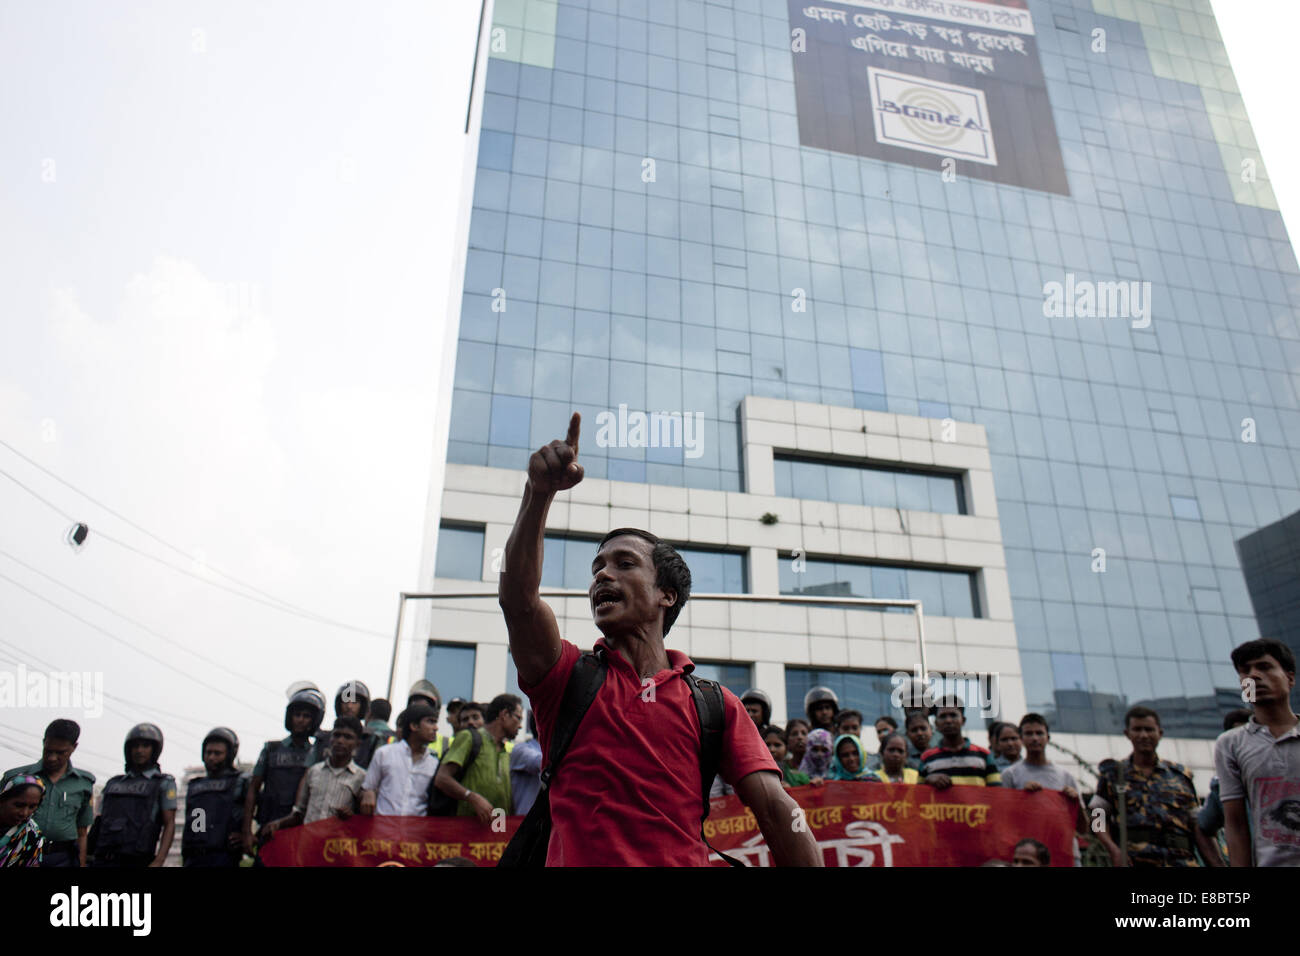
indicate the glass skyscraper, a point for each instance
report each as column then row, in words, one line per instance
column 1046, row 218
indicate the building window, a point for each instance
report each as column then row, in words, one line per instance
column 566, row 563
column 857, row 690
column 451, row 668
column 735, row 677
column 872, row 485
column 460, row 553
column 942, row 592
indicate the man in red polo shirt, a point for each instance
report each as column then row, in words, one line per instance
column 628, row 792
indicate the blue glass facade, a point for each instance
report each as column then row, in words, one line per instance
column 645, row 220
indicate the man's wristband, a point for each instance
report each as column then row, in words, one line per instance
column 468, row 793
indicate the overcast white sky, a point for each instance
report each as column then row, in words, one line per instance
column 223, row 276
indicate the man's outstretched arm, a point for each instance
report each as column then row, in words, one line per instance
column 779, row 817
column 530, row 622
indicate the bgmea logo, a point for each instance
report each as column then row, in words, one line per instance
column 940, row 118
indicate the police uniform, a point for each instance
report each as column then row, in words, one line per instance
column 1160, row 811
column 130, row 820
column 281, row 765
column 220, row 797
column 68, row 805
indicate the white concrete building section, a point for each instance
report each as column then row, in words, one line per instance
column 766, row 637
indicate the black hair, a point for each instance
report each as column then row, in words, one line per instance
column 671, row 572
column 918, row 716
column 63, row 729
column 995, row 728
column 1234, row 717
column 501, row 702
column 380, row 709
column 411, row 716
column 893, row 734
column 1243, row 654
column 1043, row 853
column 777, row 729
column 1003, row 725
column 887, row 719
column 1139, row 712
column 349, row 723
column 789, row 725
column 1035, row 719
column 469, row 705
column 844, row 715
column 952, row 701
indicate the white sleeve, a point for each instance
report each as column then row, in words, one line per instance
column 1231, row 786
column 375, row 772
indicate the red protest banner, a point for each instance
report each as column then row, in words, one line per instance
column 878, row 824
column 856, row 824
column 388, row 841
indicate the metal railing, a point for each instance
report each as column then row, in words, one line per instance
column 741, row 598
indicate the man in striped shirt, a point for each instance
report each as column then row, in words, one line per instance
column 956, row 760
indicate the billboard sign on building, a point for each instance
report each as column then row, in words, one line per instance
column 924, row 81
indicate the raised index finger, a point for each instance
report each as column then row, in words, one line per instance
column 575, row 425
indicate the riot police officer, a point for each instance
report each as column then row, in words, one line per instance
column 821, row 705
column 139, row 806
column 214, row 805
column 282, row 763
column 352, row 700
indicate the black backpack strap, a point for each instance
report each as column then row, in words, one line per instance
column 586, row 679
column 529, row 845
column 710, row 706
column 475, row 745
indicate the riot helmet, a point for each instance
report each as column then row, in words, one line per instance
column 354, row 690
column 427, row 690
column 149, row 732
column 816, row 696
column 307, row 697
column 227, row 737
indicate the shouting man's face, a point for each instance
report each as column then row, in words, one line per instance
column 624, row 595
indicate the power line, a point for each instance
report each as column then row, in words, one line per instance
column 110, row 700
column 24, row 748
column 143, row 627
column 274, row 602
column 138, row 527
column 114, row 637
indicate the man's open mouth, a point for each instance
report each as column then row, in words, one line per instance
column 605, row 598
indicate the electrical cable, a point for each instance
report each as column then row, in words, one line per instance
column 109, row 634
column 274, row 602
column 110, row 700
column 143, row 627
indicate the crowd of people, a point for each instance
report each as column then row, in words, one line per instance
column 1150, row 813
column 361, row 765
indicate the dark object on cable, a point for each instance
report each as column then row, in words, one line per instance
column 77, row 535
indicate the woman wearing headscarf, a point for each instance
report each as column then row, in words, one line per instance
column 816, row 761
column 893, row 761
column 849, row 759
column 20, row 837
